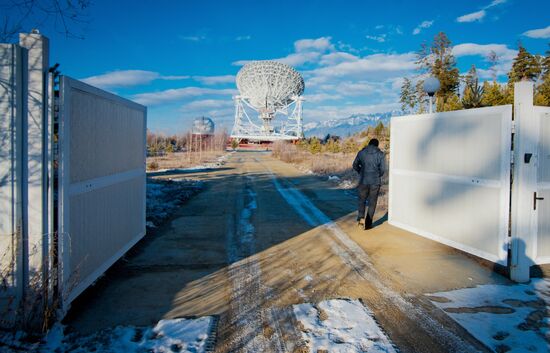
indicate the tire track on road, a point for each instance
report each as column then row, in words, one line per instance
column 247, row 318
column 357, row 260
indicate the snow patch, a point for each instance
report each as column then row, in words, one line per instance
column 175, row 335
column 511, row 318
column 218, row 163
column 340, row 325
column 165, row 196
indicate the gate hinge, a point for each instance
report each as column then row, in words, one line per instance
column 513, row 126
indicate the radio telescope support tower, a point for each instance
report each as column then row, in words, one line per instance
column 268, row 89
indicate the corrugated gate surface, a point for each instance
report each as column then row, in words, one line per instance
column 101, row 182
column 542, row 240
column 450, row 178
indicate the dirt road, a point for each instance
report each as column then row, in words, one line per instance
column 263, row 236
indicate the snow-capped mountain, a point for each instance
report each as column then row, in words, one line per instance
column 347, row 126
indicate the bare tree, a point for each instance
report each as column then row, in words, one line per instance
column 66, row 16
column 493, row 58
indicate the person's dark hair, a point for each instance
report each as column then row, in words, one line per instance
column 373, row 142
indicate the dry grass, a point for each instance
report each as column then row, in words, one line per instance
column 320, row 163
column 182, row 160
column 327, row 164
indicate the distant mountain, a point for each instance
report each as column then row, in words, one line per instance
column 347, row 126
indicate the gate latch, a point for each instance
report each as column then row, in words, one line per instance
column 527, row 157
column 535, row 199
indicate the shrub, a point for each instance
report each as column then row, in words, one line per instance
column 153, row 165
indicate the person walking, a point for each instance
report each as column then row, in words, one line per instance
column 370, row 163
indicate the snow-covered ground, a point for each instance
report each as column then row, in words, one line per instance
column 512, row 318
column 164, row 196
column 219, row 162
column 176, row 335
column 341, row 326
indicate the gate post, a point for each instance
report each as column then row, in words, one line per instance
column 524, row 182
column 36, row 159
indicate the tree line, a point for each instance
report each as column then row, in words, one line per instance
column 466, row 91
column 351, row 144
column 161, row 144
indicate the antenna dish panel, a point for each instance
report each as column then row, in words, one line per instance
column 269, row 88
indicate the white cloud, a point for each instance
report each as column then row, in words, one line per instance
column 479, row 15
column 206, row 104
column 321, row 44
column 424, row 24
column 175, row 78
column 371, row 66
column 321, row 97
column 380, row 38
column 495, row 3
column 171, row 95
column 193, row 38
column 538, row 33
column 122, row 78
column 298, row 59
column 127, row 78
column 500, row 69
column 336, row 58
column 239, row 38
column 305, row 51
column 465, row 49
column 471, row 17
column 214, row 80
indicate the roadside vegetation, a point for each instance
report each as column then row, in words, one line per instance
column 183, row 150
column 332, row 156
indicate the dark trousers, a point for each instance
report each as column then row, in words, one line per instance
column 367, row 193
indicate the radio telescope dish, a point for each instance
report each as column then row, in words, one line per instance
column 269, row 88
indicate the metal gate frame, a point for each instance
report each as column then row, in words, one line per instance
column 67, row 289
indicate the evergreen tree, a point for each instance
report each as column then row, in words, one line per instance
column 350, row 146
column 542, row 95
column 332, row 146
column 525, row 67
column 315, row 145
column 472, row 96
column 452, row 102
column 407, row 97
column 439, row 61
column 492, row 94
column 379, row 129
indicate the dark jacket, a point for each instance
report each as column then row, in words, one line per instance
column 370, row 163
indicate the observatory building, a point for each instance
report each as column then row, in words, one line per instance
column 203, row 126
column 271, row 92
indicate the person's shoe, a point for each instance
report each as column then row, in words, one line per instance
column 361, row 222
column 368, row 223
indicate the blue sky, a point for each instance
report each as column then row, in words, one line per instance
column 179, row 57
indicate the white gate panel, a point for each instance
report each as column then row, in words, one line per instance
column 542, row 214
column 102, row 182
column 450, row 178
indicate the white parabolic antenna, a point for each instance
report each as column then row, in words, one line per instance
column 270, row 89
